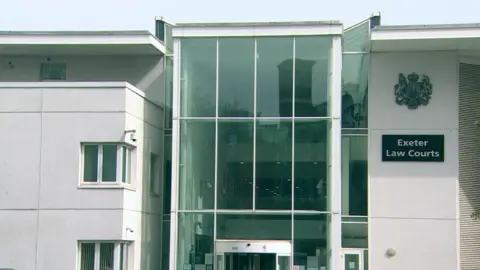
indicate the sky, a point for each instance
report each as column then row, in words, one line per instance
column 31, row 15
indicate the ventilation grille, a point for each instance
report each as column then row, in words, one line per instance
column 469, row 148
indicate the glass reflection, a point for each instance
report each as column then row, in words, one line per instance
column 195, row 240
column 354, row 234
column 198, row 73
column 310, row 244
column 236, row 68
column 273, row 161
column 355, row 175
column 311, row 161
column 235, row 164
column 355, row 91
column 312, row 57
column 252, row 226
column 274, row 76
column 197, row 164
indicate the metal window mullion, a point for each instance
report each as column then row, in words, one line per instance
column 254, row 159
column 335, row 187
column 119, row 168
column 79, row 255
column 100, row 163
column 293, row 155
column 175, row 154
column 97, row 257
column 215, row 181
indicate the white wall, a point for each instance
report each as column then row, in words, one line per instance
column 144, row 72
column 43, row 212
column 413, row 206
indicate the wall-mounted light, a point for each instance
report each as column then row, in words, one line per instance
column 133, row 134
column 390, row 252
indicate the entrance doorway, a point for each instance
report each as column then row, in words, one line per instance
column 352, row 259
column 253, row 255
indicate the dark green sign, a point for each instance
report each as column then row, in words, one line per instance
column 420, row 148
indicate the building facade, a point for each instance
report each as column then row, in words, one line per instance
column 82, row 117
column 298, row 145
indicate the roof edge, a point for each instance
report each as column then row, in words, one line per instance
column 249, row 24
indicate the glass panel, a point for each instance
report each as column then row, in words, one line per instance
column 195, row 240
column 352, row 261
column 197, row 164
column 365, row 260
column 87, row 251
column 251, row 226
column 236, row 68
column 220, row 262
column 312, row 58
column 355, row 91
column 198, row 77
column 355, row 175
column 273, row 163
column 357, row 38
column 283, row 263
column 106, row 256
column 354, row 235
column 109, row 165
column 168, row 91
column 274, row 76
column 311, row 163
column 235, row 164
column 154, row 174
column 90, row 163
column 167, row 182
column 166, row 242
column 310, row 241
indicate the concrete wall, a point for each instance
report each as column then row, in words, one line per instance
column 143, row 72
column 413, row 206
column 43, row 211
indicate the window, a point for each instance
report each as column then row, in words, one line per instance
column 106, row 163
column 154, row 175
column 53, row 72
column 103, row 256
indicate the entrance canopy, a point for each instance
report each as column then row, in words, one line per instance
column 461, row 37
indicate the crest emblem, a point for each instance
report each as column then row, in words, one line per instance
column 411, row 92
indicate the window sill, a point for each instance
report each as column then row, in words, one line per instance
column 106, row 186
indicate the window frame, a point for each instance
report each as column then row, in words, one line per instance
column 124, row 172
column 119, row 262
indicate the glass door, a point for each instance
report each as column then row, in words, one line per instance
column 352, row 259
column 220, row 261
column 283, row 262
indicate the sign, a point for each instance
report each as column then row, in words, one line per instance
column 413, row 148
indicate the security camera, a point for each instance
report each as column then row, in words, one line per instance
column 133, row 137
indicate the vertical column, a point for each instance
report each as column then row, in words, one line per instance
column 335, row 187
column 345, row 175
column 175, row 152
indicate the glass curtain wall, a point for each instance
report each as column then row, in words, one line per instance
column 355, row 136
column 254, row 136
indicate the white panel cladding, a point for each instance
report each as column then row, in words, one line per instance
column 413, row 205
column 40, row 202
column 469, row 148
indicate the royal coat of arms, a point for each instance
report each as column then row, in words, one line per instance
column 411, row 92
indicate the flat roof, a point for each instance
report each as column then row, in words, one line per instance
column 240, row 29
column 435, row 37
column 80, row 42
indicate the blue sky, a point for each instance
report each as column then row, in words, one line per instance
column 140, row 14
